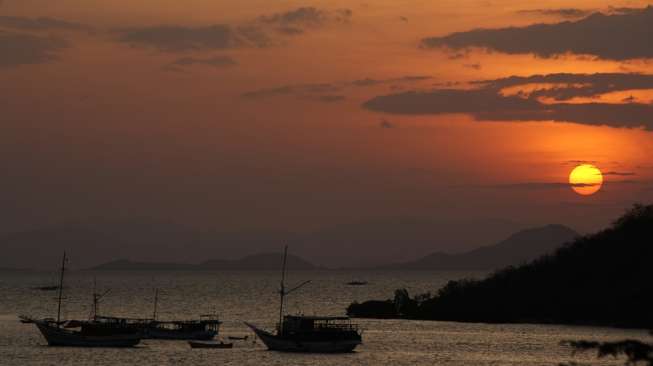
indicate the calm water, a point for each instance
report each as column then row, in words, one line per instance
column 251, row 296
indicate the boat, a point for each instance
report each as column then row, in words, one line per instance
column 75, row 333
column 46, row 288
column 202, row 344
column 205, row 328
column 235, row 338
column 310, row 334
column 357, row 283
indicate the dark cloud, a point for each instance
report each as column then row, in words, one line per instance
column 173, row 38
column 487, row 103
column 475, row 66
column 541, row 185
column 39, row 24
column 576, row 85
column 325, row 91
column 620, row 36
column 562, row 12
column 256, row 33
column 20, row 49
column 297, row 21
column 618, row 174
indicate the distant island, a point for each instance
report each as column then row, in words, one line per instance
column 263, row 261
column 599, row 279
column 519, row 248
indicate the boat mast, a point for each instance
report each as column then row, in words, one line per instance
column 282, row 290
column 63, row 269
column 156, row 301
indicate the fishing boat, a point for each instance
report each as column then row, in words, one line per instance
column 202, row 344
column 357, row 283
column 205, row 328
column 311, row 334
column 75, row 333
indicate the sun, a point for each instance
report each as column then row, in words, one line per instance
column 586, row 179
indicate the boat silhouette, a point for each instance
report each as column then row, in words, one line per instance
column 311, row 334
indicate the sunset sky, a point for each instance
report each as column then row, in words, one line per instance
column 300, row 115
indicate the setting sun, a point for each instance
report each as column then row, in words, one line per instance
column 586, row 179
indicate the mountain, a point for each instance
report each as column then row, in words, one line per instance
column 519, row 248
column 91, row 244
column 263, row 261
column 598, row 279
column 366, row 243
column 376, row 242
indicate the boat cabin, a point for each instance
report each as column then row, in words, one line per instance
column 296, row 324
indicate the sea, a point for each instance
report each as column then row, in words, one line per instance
column 252, row 296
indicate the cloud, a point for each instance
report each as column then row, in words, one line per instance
column 216, row 61
column 256, row 33
column 618, row 174
column 299, row 20
column 620, row 36
column 568, row 86
column 40, row 24
column 326, row 91
column 488, row 103
column 21, row 49
column 173, row 38
column 562, row 12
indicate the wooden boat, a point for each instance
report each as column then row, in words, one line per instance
column 205, row 328
column 234, row 338
column 312, row 334
column 57, row 335
column 46, row 288
column 201, row 344
column 357, row 283
column 81, row 333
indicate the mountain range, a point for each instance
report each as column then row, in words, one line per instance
column 361, row 244
column 519, row 248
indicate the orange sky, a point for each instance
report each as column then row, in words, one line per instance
column 110, row 128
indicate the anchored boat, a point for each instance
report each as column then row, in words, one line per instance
column 313, row 334
column 81, row 333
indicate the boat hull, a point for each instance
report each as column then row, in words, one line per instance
column 194, row 344
column 56, row 336
column 155, row 333
column 276, row 343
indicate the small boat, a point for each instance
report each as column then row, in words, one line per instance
column 235, row 338
column 357, row 283
column 46, row 288
column 75, row 333
column 311, row 334
column 201, row 344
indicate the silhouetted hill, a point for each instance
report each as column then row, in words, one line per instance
column 378, row 242
column 263, row 261
column 519, row 248
column 600, row 279
column 369, row 243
